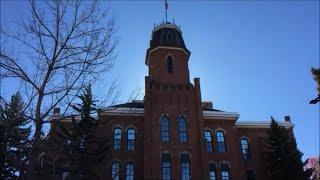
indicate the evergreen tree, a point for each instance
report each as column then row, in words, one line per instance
column 316, row 75
column 83, row 148
column 14, row 133
column 284, row 159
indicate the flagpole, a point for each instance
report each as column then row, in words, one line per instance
column 166, row 8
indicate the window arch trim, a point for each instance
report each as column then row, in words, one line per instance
column 220, row 129
column 245, row 137
column 131, row 127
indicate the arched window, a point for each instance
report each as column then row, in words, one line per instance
column 244, row 145
column 131, row 137
column 185, row 166
column 115, row 170
column 164, row 129
column 212, row 171
column 166, row 166
column 170, row 64
column 208, row 137
column 117, row 138
column 130, row 171
column 182, row 129
column 221, row 147
column 225, row 175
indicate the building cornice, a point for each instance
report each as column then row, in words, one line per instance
column 123, row 111
column 220, row 115
column 250, row 124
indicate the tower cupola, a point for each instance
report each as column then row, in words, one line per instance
column 167, row 57
column 167, row 34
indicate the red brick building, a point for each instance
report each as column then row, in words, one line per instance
column 172, row 133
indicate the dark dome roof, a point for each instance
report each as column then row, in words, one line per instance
column 167, row 34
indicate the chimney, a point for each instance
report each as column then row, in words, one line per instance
column 207, row 105
column 56, row 111
column 287, row 119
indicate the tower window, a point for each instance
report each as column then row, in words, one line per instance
column 117, row 138
column 182, row 129
column 169, row 36
column 131, row 136
column 130, row 171
column 170, row 64
column 115, row 170
column 164, row 129
column 244, row 145
column 212, row 171
column 221, row 147
column 185, row 167
column 166, row 166
column 208, row 137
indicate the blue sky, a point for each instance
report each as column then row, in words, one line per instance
column 252, row 57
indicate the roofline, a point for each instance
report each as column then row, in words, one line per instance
column 140, row 112
column 206, row 115
column 250, row 124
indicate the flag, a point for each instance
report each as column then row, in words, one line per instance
column 166, row 4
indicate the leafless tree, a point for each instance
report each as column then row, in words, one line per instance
column 59, row 47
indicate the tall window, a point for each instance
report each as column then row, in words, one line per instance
column 208, row 137
column 212, row 171
column 185, row 167
column 182, row 129
column 170, row 64
column 131, row 137
column 251, row 175
column 117, row 138
column 225, row 172
column 164, row 129
column 221, row 147
column 130, row 171
column 244, row 145
column 115, row 170
column 166, row 166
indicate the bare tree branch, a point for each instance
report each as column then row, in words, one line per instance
column 59, row 47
